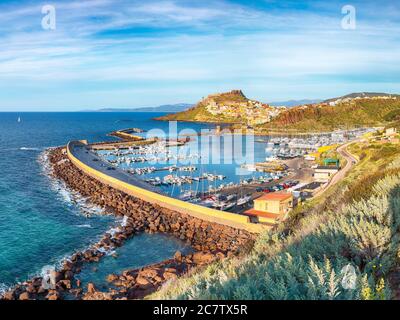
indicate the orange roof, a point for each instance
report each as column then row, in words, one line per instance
column 275, row 196
column 257, row 213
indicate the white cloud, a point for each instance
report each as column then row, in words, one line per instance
column 202, row 48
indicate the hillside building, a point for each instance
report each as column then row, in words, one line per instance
column 325, row 173
column 271, row 208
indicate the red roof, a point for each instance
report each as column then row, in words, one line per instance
column 276, row 196
column 257, row 213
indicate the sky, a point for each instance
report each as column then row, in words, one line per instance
column 128, row 53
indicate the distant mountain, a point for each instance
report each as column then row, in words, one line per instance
column 164, row 108
column 363, row 95
column 293, row 103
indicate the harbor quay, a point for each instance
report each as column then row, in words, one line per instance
column 174, row 174
column 184, row 171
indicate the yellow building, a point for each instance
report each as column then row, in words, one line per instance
column 325, row 173
column 391, row 132
column 271, row 208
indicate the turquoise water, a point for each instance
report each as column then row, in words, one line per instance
column 143, row 250
column 233, row 172
column 38, row 226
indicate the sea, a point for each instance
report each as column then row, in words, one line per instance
column 41, row 221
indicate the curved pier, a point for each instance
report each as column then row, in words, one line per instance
column 83, row 159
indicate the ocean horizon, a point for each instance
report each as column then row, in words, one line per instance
column 41, row 221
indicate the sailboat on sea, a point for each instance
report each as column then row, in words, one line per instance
column 19, row 120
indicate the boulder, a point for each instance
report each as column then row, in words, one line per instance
column 178, row 256
column 169, row 275
column 142, row 281
column 68, row 265
column 10, row 295
column 148, row 273
column 53, row 296
column 31, row 289
column 202, row 258
column 24, row 296
column 65, row 284
column 112, row 278
column 57, row 276
column 91, row 288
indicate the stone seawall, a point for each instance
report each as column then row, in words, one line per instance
column 210, row 240
column 147, row 217
column 233, row 220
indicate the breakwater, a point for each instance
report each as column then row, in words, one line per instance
column 206, row 214
column 211, row 240
column 148, row 217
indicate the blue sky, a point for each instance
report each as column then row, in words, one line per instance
column 128, row 53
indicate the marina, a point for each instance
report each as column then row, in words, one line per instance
column 180, row 171
column 292, row 147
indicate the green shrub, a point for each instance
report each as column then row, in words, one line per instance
column 307, row 263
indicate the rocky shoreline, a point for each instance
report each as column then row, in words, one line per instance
column 210, row 240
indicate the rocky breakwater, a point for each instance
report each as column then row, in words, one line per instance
column 138, row 283
column 211, row 241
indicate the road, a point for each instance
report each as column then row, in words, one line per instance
column 351, row 162
column 94, row 161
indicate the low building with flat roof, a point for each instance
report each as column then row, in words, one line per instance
column 271, row 208
column 325, row 173
column 390, row 132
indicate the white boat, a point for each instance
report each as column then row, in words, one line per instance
column 270, row 147
column 188, row 195
column 207, row 203
column 250, row 167
column 19, row 119
column 271, row 159
column 227, row 206
column 231, row 197
column 243, row 200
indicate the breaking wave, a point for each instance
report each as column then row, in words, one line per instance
column 66, row 194
column 88, row 226
column 3, row 288
column 29, row 149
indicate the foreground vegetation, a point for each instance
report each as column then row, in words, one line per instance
column 356, row 224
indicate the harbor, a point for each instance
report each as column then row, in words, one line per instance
column 178, row 169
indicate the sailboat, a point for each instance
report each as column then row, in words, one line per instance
column 19, row 119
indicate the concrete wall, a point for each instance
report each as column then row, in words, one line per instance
column 206, row 214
